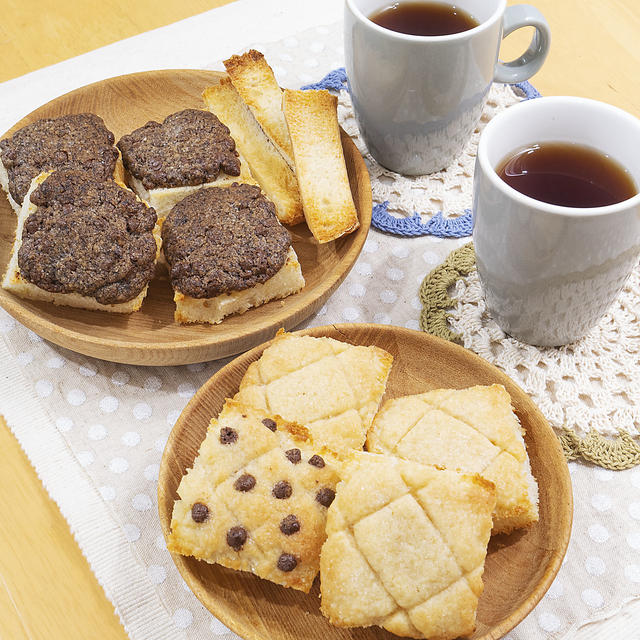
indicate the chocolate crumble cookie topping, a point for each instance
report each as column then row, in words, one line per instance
column 218, row 240
column 88, row 237
column 316, row 461
column 78, row 141
column 190, row 147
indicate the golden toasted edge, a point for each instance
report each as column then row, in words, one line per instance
column 267, row 165
column 287, row 281
column 16, row 284
column 255, row 81
column 321, row 171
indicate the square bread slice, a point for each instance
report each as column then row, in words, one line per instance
column 470, row 430
column 253, row 79
column 331, row 387
column 267, row 165
column 14, row 282
column 256, row 498
column 405, row 549
column 320, row 167
column 287, row 281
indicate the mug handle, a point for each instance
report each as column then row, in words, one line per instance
column 522, row 68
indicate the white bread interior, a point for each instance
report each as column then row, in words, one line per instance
column 18, row 285
column 327, row 201
column 268, row 167
column 253, row 79
column 286, row 281
column 165, row 198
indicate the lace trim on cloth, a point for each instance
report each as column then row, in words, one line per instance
column 442, row 198
column 585, row 389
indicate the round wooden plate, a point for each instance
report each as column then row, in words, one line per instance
column 150, row 336
column 519, row 567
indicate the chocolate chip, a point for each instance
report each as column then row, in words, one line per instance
column 325, row 496
column 316, row 461
column 281, row 490
column 236, row 537
column 287, row 562
column 199, row 512
column 290, row 525
column 245, row 482
column 293, row 455
column 228, row 435
column 269, row 423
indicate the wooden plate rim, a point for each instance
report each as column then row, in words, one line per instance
column 177, row 352
column 516, row 392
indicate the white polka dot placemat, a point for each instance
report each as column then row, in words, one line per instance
column 95, row 432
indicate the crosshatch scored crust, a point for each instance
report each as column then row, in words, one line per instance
column 519, row 568
column 256, row 498
column 473, row 430
column 150, row 336
column 406, row 547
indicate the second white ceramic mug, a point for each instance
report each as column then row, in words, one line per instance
column 550, row 272
column 417, row 99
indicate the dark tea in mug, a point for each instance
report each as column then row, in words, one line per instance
column 424, row 18
column 569, row 175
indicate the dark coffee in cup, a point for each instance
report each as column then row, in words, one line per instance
column 424, row 18
column 569, row 175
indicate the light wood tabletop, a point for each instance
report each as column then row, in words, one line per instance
column 51, row 592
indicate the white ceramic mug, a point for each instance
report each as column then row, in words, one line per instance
column 550, row 272
column 417, row 99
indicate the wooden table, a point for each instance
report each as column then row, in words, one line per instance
column 46, row 587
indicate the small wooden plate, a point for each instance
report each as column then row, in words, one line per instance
column 519, row 567
column 150, row 336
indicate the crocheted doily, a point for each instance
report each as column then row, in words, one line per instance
column 586, row 390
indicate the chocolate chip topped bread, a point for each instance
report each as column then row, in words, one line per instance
column 256, row 498
column 405, row 550
column 75, row 141
column 331, row 387
column 188, row 150
column 471, row 430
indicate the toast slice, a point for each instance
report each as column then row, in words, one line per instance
column 253, row 79
column 267, row 165
column 320, row 167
